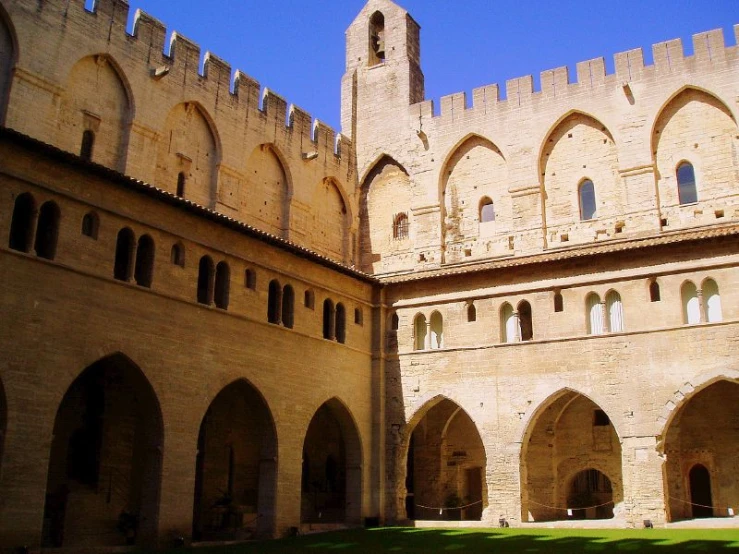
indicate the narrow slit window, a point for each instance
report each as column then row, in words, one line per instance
column 222, row 286
column 340, row 323
column 47, row 231
column 654, row 292
column 288, row 306
column 144, row 271
column 686, row 189
column 250, row 279
column 123, row 255
column 90, row 225
column 309, row 299
column 587, row 200
column 181, row 180
column 177, row 255
column 88, row 143
column 205, row 280
column 274, row 302
column 329, row 319
column 559, row 304
column 21, row 226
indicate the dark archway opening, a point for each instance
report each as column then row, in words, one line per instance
column 570, row 462
column 236, row 467
column 701, row 445
column 700, row 491
column 21, row 226
column 332, row 468
column 590, row 495
column 445, row 467
column 105, row 469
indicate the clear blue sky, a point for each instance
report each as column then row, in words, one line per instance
column 296, row 47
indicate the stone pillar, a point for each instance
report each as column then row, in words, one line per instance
column 701, row 306
column 604, row 317
column 503, row 477
column 644, row 496
column 517, row 319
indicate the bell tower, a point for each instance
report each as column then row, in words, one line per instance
column 383, row 72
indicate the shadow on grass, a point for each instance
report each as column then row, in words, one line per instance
column 508, row 541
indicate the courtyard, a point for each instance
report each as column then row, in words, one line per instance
column 500, row 541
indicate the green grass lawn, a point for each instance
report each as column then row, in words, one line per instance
column 503, row 541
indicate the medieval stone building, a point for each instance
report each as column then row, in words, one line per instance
column 222, row 319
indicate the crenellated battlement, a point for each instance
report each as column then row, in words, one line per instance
column 203, row 75
column 669, row 58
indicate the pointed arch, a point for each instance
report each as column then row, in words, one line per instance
column 474, row 168
column 679, row 141
column 332, row 473
column 566, row 434
column 701, row 430
column 332, row 220
column 108, row 436
column 189, row 153
column 266, row 195
column 237, row 446
column 96, row 111
column 442, row 460
column 9, row 54
column 385, row 192
column 579, row 150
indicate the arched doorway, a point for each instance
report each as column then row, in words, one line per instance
column 590, row 495
column 332, row 468
column 701, row 446
column 236, row 467
column 570, row 461
column 445, row 467
column 700, row 491
column 105, row 469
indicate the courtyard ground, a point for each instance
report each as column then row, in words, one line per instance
column 499, row 541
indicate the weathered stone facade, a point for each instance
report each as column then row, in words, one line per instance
column 542, row 329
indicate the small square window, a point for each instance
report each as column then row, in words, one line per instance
column 358, row 316
column 250, row 279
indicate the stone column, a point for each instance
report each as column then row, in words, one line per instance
column 643, row 482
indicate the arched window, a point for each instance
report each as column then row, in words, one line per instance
column 487, row 210
column 686, row 189
column 222, row 286
column 559, row 304
column 250, row 279
column 205, row 280
column 712, row 300
column 288, row 306
column 340, row 323
column 177, row 255
column 90, row 225
column 144, row 271
column 47, row 230
column 587, row 200
column 329, row 320
column 691, row 304
column 309, row 299
column 394, row 322
column 21, row 227
column 471, row 312
column 181, row 179
column 88, row 143
column 400, row 227
column 377, row 39
column 124, row 254
column 615, row 310
column 508, row 324
column 596, row 325
column 274, row 302
column 437, row 331
column 419, row 332
column 525, row 321
column 654, row 292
